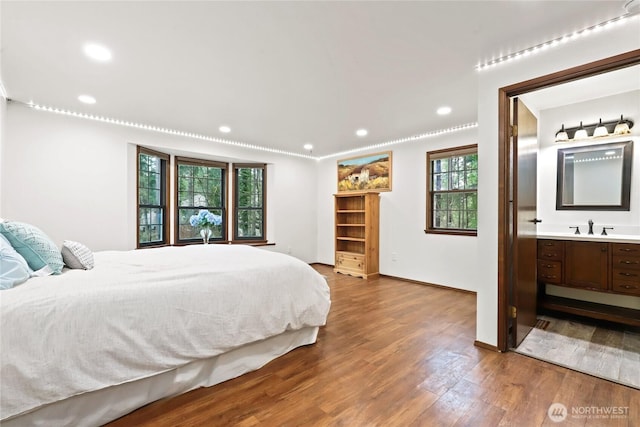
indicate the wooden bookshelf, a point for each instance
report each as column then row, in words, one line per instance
column 357, row 218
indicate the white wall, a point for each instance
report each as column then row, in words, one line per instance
column 594, row 47
column 428, row 258
column 3, row 129
column 550, row 121
column 75, row 179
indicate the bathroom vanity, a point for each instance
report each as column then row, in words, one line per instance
column 604, row 264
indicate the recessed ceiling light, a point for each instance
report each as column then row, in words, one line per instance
column 87, row 99
column 443, row 111
column 362, row 132
column 308, row 147
column 97, row 52
column 224, row 129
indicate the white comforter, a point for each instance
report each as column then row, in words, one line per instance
column 138, row 313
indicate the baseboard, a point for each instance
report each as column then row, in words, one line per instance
column 418, row 282
column 321, row 263
column 486, row 346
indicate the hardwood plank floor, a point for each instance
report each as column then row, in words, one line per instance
column 396, row 353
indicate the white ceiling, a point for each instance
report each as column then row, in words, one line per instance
column 280, row 74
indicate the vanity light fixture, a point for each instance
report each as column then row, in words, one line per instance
column 562, row 135
column 600, row 130
column 595, row 130
column 581, row 133
column 622, row 127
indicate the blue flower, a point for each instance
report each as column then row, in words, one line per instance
column 204, row 218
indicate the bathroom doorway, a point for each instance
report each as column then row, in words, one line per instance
column 508, row 285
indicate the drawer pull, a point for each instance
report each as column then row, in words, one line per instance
column 629, row 262
column 627, row 274
column 627, row 250
column 549, row 265
column 628, row 286
column 549, row 276
column 549, row 244
column 549, row 255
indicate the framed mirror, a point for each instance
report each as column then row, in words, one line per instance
column 595, row 177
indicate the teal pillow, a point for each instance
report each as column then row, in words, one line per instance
column 13, row 268
column 34, row 246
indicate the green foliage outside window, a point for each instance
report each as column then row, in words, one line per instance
column 151, row 192
column 250, row 203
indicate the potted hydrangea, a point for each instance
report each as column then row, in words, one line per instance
column 205, row 220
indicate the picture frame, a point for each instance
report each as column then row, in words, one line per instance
column 369, row 172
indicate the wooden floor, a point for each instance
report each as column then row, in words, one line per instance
column 395, row 353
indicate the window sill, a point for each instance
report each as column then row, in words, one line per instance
column 452, row 232
column 227, row 242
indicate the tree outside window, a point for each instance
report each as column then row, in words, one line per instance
column 249, row 202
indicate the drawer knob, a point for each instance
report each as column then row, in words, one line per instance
column 629, row 287
column 625, row 261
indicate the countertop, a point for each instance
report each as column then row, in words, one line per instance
column 614, row 238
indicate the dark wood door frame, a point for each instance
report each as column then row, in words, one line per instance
column 504, row 95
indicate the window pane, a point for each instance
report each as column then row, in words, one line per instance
column 471, row 178
column 249, row 223
column 440, row 201
column 441, row 181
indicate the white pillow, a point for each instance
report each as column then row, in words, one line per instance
column 77, row 255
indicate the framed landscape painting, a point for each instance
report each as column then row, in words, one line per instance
column 368, row 172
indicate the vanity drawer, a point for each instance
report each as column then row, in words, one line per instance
column 352, row 262
column 550, row 271
column 628, row 250
column 626, row 275
column 626, row 262
column 550, row 250
column 626, row 286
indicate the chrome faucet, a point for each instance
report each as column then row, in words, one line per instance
column 590, row 227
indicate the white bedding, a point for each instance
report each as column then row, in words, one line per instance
column 139, row 313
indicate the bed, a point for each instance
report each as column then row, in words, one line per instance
column 87, row 346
